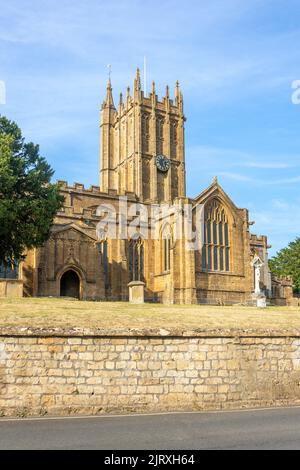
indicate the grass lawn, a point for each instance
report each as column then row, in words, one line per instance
column 53, row 313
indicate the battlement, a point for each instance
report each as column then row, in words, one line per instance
column 79, row 187
column 258, row 238
column 70, row 211
column 148, row 103
column 283, row 280
column 138, row 97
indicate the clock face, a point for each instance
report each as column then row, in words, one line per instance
column 162, row 163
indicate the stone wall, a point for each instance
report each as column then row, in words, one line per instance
column 11, row 288
column 66, row 372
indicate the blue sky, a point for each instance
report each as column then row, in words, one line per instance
column 235, row 60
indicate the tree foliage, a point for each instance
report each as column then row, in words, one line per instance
column 287, row 263
column 28, row 200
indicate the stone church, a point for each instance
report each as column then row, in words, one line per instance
column 142, row 158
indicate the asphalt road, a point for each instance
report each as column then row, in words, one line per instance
column 254, row 429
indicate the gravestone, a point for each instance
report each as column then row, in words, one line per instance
column 136, row 292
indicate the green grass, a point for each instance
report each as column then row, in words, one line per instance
column 53, row 313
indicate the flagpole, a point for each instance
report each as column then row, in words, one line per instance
column 145, row 75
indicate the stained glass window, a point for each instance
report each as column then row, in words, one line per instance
column 166, row 244
column 216, row 248
column 136, row 260
column 104, row 256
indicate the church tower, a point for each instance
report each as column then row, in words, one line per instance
column 142, row 144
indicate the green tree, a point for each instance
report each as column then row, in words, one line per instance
column 28, row 200
column 287, row 263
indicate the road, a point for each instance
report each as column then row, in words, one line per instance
column 253, row 429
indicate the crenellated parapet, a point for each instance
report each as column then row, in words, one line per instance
column 286, row 281
column 150, row 100
column 69, row 211
column 79, row 187
column 261, row 240
column 282, row 291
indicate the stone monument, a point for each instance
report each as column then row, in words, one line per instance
column 136, row 292
column 259, row 296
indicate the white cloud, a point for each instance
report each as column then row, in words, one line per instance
column 260, row 181
column 267, row 165
column 236, row 158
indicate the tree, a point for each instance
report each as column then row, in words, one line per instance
column 28, row 200
column 287, row 263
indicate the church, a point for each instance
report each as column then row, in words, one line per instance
column 142, row 160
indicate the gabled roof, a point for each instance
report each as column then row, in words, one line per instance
column 215, row 191
column 64, row 228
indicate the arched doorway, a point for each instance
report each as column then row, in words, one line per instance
column 70, row 285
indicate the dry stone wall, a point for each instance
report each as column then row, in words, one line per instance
column 68, row 372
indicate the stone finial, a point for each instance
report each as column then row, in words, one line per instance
column 153, row 96
column 137, row 81
column 177, row 92
column 178, row 97
column 153, row 88
column 121, row 104
column 109, row 102
column 215, row 180
column 167, row 99
column 128, row 95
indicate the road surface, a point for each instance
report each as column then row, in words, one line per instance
column 254, row 429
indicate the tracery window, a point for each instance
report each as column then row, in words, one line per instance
column 173, row 130
column 166, row 248
column 136, row 259
column 104, row 256
column 216, row 248
column 160, row 134
column 145, row 132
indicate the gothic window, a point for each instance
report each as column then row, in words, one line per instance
column 145, row 132
column 10, row 271
column 167, row 254
column 160, row 134
column 166, row 248
column 173, row 131
column 104, row 256
column 130, row 135
column 136, row 259
column 216, row 248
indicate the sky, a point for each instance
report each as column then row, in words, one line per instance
column 235, row 60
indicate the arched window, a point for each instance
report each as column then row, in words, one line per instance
column 160, row 134
column 216, row 248
column 173, row 130
column 136, row 259
column 145, row 132
column 104, row 257
column 166, row 238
